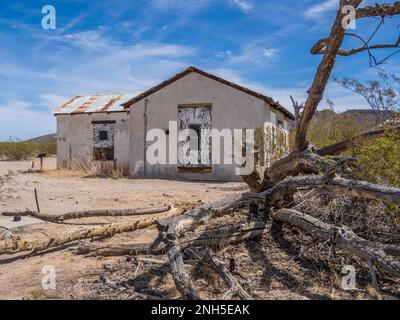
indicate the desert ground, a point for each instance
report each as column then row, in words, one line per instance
column 60, row 193
column 284, row 263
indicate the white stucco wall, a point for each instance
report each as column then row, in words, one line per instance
column 230, row 109
column 75, row 137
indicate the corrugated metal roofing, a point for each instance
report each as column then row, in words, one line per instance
column 95, row 103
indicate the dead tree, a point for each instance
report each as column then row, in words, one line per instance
column 59, row 218
column 303, row 168
column 317, row 170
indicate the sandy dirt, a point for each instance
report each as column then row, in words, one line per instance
column 284, row 263
column 22, row 278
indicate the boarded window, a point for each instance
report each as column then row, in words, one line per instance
column 103, row 141
column 194, row 136
column 103, row 135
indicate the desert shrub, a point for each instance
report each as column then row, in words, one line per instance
column 334, row 128
column 378, row 161
column 20, row 150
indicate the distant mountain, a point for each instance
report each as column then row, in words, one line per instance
column 365, row 118
column 48, row 138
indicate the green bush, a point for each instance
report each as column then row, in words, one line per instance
column 20, row 150
column 378, row 161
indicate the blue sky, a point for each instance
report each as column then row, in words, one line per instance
column 128, row 46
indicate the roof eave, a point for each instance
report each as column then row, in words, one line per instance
column 126, row 105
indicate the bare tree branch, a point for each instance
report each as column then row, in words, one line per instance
column 344, row 145
column 342, row 237
column 379, row 10
column 321, row 78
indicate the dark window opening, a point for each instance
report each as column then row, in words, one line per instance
column 280, row 123
column 195, row 137
column 103, row 135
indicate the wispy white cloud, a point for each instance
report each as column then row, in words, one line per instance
column 88, row 62
column 342, row 98
column 244, row 5
column 317, row 10
column 269, row 53
column 186, row 5
column 253, row 53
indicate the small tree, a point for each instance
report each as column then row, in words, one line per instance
column 382, row 95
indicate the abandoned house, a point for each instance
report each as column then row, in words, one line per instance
column 114, row 128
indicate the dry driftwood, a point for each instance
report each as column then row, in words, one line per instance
column 35, row 245
column 209, row 258
column 342, row 237
column 90, row 213
column 171, row 229
column 216, row 237
column 5, row 233
column 181, row 278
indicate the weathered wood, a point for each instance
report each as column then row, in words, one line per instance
column 181, row 278
column 344, row 145
column 335, row 185
column 216, row 237
column 322, row 75
column 5, row 233
column 342, row 237
column 392, row 250
column 109, row 250
column 90, row 213
column 379, row 10
column 35, row 245
column 209, row 258
column 297, row 162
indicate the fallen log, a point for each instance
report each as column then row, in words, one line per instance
column 217, row 237
column 182, row 280
column 336, row 185
column 5, row 233
column 209, row 258
column 342, row 237
column 35, row 245
column 90, row 213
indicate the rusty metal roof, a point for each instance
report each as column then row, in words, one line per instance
column 95, row 103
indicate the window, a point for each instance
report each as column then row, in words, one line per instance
column 103, row 135
column 195, row 137
column 103, row 140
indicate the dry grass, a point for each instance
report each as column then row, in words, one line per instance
column 21, row 150
column 88, row 169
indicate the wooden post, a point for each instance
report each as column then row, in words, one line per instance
column 37, row 201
